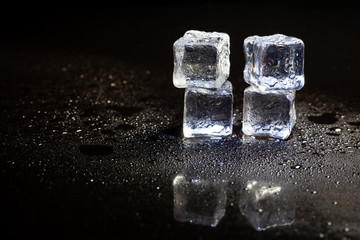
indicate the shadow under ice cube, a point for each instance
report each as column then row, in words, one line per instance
column 266, row 205
column 274, row 62
column 201, row 59
column 208, row 112
column 268, row 113
column 199, row 201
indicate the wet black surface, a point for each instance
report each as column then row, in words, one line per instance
column 91, row 125
column 325, row 118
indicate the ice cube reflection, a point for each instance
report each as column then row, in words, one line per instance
column 200, row 190
column 199, row 201
column 207, row 180
column 267, row 205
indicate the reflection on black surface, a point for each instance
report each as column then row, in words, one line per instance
column 267, row 205
column 199, row 201
column 200, row 189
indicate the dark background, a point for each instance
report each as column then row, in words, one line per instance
column 108, row 73
column 144, row 34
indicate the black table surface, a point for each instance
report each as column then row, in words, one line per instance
column 91, row 123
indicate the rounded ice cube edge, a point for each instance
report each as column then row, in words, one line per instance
column 190, row 133
column 281, row 137
column 258, row 82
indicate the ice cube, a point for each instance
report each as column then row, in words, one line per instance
column 201, row 59
column 266, row 205
column 208, row 112
column 199, row 201
column 268, row 113
column 274, row 62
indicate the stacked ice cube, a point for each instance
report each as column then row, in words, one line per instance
column 275, row 70
column 202, row 66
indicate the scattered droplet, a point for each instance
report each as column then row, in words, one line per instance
column 296, row 166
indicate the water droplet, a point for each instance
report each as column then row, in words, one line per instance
column 296, row 166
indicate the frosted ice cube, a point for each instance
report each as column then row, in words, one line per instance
column 268, row 113
column 201, row 59
column 274, row 62
column 199, row 201
column 208, row 112
column 266, row 205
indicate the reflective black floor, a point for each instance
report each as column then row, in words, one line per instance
column 91, row 130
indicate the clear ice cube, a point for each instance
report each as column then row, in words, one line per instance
column 208, row 112
column 199, row 201
column 266, row 205
column 268, row 113
column 274, row 62
column 201, row 59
